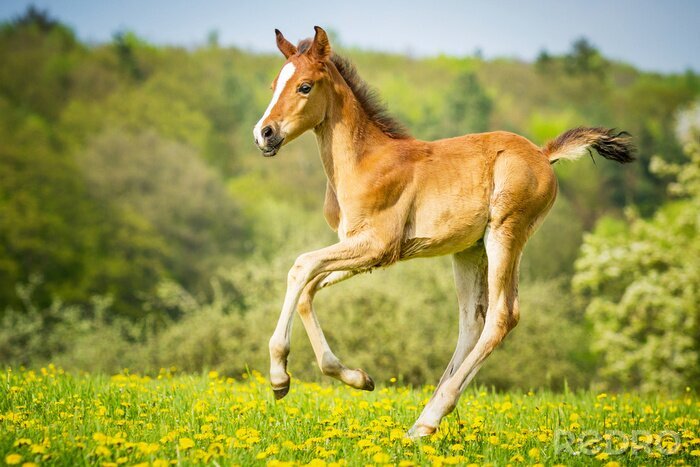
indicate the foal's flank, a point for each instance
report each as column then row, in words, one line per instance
column 391, row 197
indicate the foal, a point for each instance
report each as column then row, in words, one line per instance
column 391, row 197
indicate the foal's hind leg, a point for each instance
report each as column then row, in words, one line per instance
column 329, row 364
column 503, row 248
column 469, row 268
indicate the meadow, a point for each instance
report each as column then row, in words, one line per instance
column 50, row 417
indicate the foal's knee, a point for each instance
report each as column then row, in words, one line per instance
column 302, row 270
column 330, row 365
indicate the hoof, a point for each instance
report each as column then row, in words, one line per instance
column 280, row 392
column 369, row 382
column 419, row 430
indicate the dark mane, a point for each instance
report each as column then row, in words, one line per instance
column 368, row 97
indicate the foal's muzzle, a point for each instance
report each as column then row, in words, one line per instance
column 270, row 140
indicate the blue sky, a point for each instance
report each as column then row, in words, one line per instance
column 653, row 35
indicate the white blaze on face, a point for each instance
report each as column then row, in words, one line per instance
column 286, row 73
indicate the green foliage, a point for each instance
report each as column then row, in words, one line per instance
column 168, row 187
column 642, row 281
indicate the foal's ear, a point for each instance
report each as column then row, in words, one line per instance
column 321, row 48
column 284, row 45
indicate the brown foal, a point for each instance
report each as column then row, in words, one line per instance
column 391, row 197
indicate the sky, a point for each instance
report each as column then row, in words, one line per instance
column 652, row 35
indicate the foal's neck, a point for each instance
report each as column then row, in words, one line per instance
column 346, row 134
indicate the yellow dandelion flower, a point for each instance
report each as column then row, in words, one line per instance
column 602, row 456
column 185, row 444
column 381, row 458
column 695, row 452
column 406, row 463
column 517, row 458
column 457, row 447
column 38, row 449
column 364, row 443
column 534, row 453
column 13, row 459
column 147, row 448
column 30, row 464
column 493, row 439
column 612, row 464
column 103, row 451
column 429, row 450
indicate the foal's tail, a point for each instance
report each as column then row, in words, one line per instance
column 609, row 143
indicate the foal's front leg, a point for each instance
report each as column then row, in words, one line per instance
column 355, row 253
column 329, row 364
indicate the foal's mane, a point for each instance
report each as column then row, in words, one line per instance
column 367, row 96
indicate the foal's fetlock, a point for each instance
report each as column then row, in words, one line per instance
column 357, row 379
column 420, row 430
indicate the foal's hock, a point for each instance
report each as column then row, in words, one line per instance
column 392, row 197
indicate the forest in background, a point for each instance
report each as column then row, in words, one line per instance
column 141, row 228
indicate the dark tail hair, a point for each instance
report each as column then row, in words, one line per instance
column 611, row 144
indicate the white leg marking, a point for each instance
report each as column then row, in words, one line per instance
column 286, row 73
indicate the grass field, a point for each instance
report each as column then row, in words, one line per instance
column 48, row 417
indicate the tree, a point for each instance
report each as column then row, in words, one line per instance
column 167, row 186
column 584, row 58
column 641, row 278
column 468, row 107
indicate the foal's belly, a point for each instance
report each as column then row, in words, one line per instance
column 444, row 225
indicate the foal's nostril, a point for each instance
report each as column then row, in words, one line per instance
column 266, row 132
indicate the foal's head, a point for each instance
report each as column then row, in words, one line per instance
column 300, row 93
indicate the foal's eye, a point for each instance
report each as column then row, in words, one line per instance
column 305, row 88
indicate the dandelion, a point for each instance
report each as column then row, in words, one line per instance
column 102, row 451
column 13, row 459
column 429, row 450
column 185, row 444
column 381, row 458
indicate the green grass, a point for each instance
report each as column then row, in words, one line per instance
column 49, row 417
